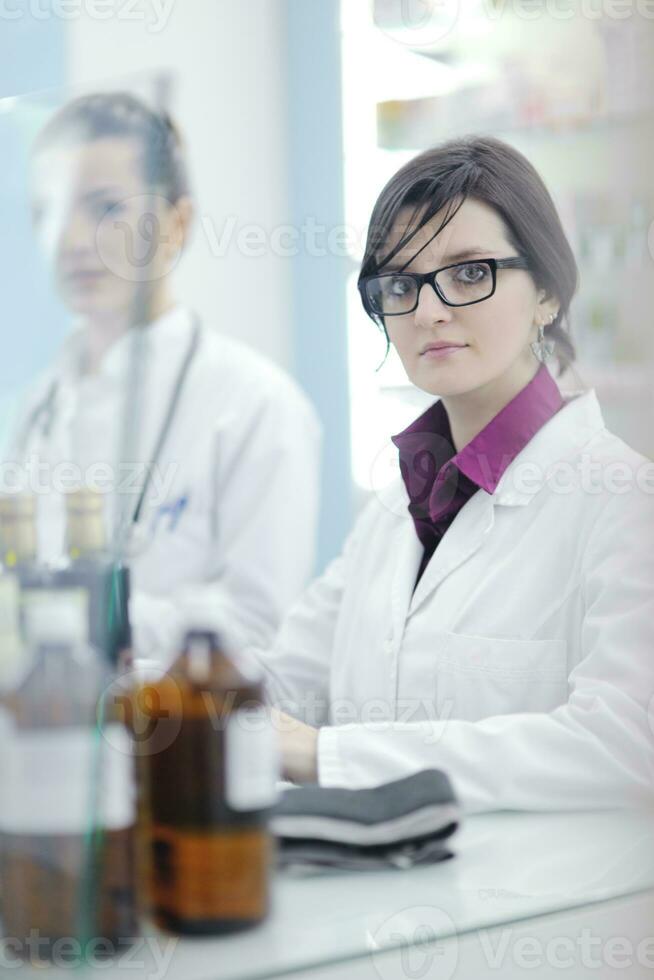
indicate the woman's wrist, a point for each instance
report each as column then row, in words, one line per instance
column 299, row 748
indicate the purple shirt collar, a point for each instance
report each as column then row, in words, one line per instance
column 427, row 452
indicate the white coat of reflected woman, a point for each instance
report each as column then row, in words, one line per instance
column 176, row 420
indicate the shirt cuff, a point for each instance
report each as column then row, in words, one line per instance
column 330, row 767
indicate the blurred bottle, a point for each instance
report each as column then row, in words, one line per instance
column 86, row 537
column 18, row 539
column 208, row 766
column 67, row 806
column 92, row 567
column 18, row 554
column 12, row 660
column 89, row 565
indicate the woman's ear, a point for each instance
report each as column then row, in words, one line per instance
column 182, row 214
column 547, row 308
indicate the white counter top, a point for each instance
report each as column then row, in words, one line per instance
column 508, row 868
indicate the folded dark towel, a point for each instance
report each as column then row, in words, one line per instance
column 398, row 824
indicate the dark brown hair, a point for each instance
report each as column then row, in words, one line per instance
column 122, row 115
column 491, row 171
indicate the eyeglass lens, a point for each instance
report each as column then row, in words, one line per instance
column 468, row 282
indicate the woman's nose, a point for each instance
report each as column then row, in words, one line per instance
column 431, row 308
column 78, row 233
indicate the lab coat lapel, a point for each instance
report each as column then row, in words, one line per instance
column 408, row 554
column 559, row 439
column 462, row 539
column 403, row 555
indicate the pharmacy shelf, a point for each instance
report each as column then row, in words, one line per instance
column 561, row 129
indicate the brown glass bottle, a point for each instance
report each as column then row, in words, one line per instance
column 208, row 768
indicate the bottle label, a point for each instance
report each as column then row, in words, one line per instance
column 64, row 781
column 252, row 760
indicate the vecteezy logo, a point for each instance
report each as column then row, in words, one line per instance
column 424, row 939
column 130, row 240
column 422, row 459
column 416, row 23
column 133, row 700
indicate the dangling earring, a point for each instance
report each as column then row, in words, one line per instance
column 543, row 349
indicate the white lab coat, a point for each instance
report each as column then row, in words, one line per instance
column 523, row 664
column 228, row 531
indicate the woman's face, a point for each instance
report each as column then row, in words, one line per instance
column 103, row 230
column 495, row 333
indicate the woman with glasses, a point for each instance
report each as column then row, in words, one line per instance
column 492, row 614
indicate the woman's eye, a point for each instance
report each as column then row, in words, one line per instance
column 399, row 287
column 472, row 273
column 103, row 208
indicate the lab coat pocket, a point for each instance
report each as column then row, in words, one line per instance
column 480, row 676
column 177, row 545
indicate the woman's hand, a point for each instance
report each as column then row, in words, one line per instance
column 299, row 748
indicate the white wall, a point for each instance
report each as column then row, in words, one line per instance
column 230, row 100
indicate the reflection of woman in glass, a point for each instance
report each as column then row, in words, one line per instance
column 217, row 422
column 492, row 615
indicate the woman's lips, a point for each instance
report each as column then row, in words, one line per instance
column 85, row 273
column 84, row 279
column 438, row 352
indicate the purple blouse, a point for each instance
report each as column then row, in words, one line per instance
column 440, row 481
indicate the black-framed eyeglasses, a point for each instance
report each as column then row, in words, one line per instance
column 459, row 284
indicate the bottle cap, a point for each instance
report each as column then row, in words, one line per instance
column 85, row 531
column 17, row 506
column 198, row 646
column 206, row 637
column 85, row 501
column 17, row 528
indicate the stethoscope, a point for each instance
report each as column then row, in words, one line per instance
column 132, row 538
